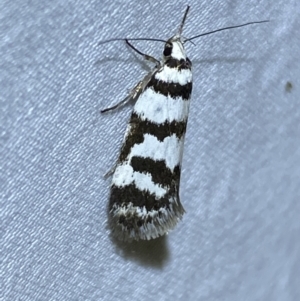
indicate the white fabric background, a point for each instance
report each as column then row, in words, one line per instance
column 239, row 239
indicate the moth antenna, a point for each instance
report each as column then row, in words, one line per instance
column 225, row 28
column 130, row 39
column 183, row 20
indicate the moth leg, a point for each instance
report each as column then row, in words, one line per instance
column 110, row 172
column 139, row 88
column 120, row 104
column 146, row 56
column 134, row 93
column 132, row 96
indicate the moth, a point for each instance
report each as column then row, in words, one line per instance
column 144, row 199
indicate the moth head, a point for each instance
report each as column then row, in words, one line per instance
column 174, row 49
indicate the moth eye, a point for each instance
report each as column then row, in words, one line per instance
column 168, row 50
